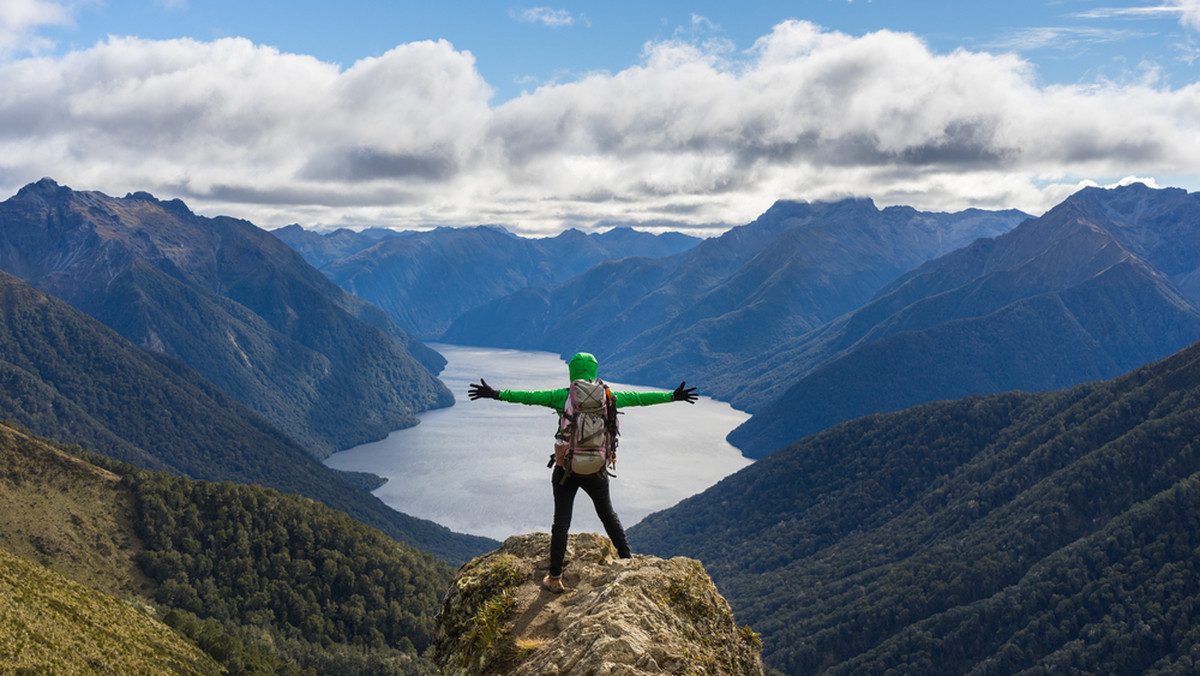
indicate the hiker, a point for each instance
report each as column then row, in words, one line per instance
column 580, row 463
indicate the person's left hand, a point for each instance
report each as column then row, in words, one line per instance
column 689, row 395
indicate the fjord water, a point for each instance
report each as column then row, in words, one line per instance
column 479, row 467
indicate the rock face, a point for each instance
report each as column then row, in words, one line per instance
column 643, row 615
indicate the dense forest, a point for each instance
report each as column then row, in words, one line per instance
column 262, row 581
column 990, row 534
column 263, row 559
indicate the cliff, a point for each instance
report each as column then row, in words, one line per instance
column 636, row 616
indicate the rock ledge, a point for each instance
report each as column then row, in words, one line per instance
column 636, row 616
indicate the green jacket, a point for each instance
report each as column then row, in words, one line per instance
column 557, row 399
column 582, row 365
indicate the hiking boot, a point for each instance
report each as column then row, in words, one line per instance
column 553, row 584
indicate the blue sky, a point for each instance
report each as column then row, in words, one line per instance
column 586, row 114
column 519, row 46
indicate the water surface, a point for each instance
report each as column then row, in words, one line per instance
column 479, row 467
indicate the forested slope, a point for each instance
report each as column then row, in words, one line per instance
column 261, row 581
column 1015, row 531
column 327, row 589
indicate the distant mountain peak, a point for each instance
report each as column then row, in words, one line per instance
column 46, row 183
column 1129, row 199
column 497, row 228
column 46, row 187
column 801, row 208
column 1136, row 187
column 175, row 206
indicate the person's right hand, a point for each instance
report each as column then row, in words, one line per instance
column 482, row 391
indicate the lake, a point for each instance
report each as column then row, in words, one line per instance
column 479, row 467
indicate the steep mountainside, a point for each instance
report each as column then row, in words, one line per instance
column 1053, row 531
column 52, row 625
column 66, row 376
column 730, row 298
column 69, row 515
column 1157, row 225
column 263, row 582
column 229, row 300
column 424, row 280
column 1062, row 299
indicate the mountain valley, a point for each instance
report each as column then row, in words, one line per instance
column 974, row 432
column 425, row 280
column 68, row 377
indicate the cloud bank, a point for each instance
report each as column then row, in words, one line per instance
column 696, row 135
column 20, row 20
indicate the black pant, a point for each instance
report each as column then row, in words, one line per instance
column 596, row 486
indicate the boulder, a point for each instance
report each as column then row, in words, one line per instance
column 636, row 616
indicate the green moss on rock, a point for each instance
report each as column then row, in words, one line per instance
column 636, row 616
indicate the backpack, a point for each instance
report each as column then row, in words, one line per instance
column 588, row 429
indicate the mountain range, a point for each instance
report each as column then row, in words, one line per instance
column 425, row 280
column 1050, row 529
column 66, row 376
column 1009, row 533
column 232, row 302
column 1099, row 285
column 730, row 299
column 819, row 313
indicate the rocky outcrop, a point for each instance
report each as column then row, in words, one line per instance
column 636, row 616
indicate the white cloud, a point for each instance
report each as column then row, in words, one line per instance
column 554, row 18
column 1141, row 12
column 1188, row 12
column 1065, row 38
column 696, row 134
column 20, row 19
